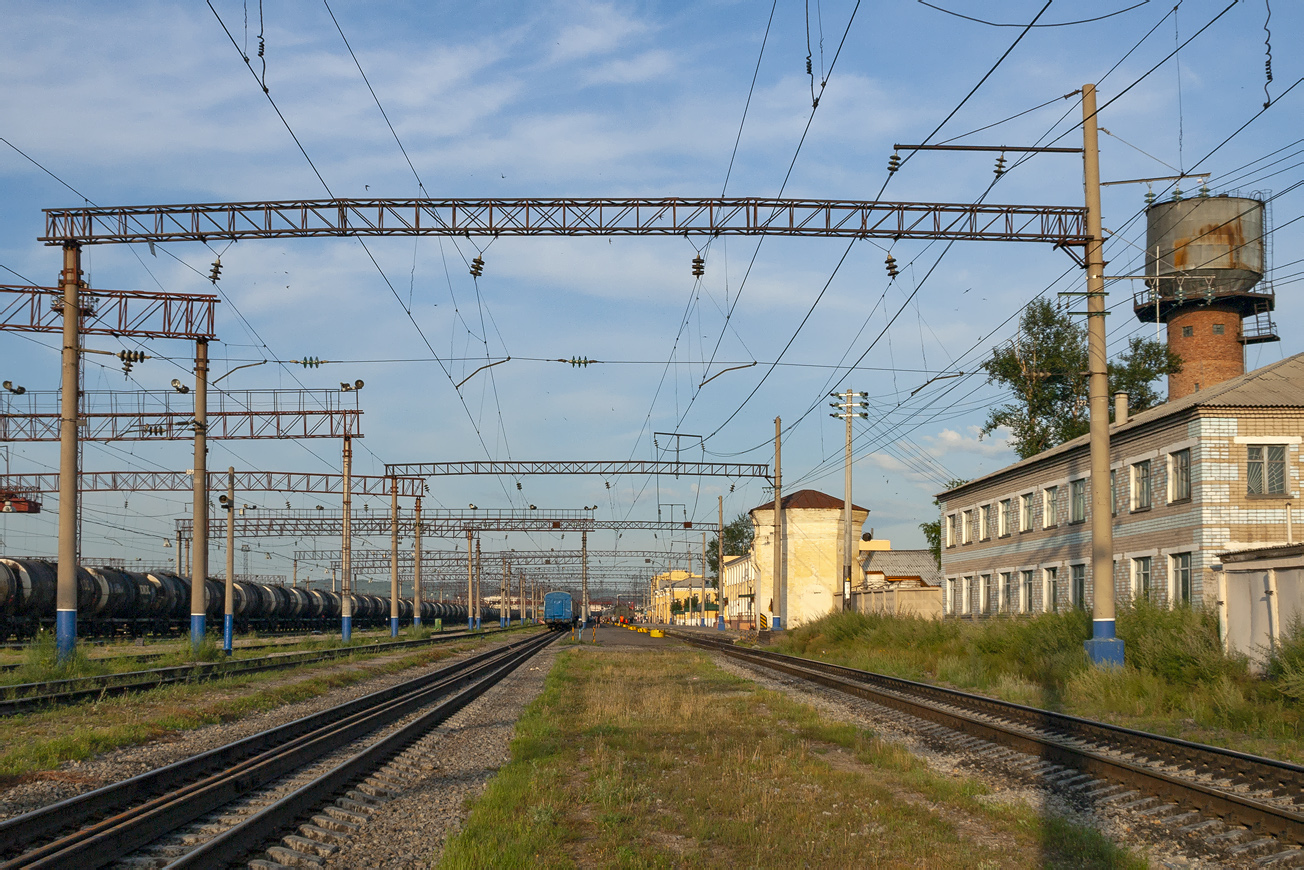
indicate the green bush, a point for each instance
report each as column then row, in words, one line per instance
column 1181, row 646
column 1286, row 663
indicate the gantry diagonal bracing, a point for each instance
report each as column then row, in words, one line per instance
column 122, row 313
column 606, row 469
column 671, row 216
column 245, row 481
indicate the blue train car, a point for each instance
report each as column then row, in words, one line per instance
column 559, row 611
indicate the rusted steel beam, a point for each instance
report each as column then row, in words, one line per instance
column 672, row 216
column 121, row 313
column 245, row 481
column 298, row 524
column 607, row 469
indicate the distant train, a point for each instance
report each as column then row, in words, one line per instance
column 559, row 611
column 114, row 601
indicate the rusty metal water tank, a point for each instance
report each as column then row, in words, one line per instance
column 1202, row 242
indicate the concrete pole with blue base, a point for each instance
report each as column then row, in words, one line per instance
column 719, row 571
column 199, row 535
column 777, row 602
column 1104, row 648
column 65, row 618
column 416, row 564
column 470, row 581
column 504, row 596
column 228, row 611
column 584, row 580
column 393, row 557
column 346, row 546
column 479, row 590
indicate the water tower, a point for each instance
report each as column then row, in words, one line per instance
column 1204, row 262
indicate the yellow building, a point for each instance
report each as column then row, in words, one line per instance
column 670, row 587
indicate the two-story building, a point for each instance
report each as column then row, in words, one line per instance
column 1212, row 471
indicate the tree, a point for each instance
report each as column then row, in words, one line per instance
column 933, row 530
column 1045, row 368
column 738, row 536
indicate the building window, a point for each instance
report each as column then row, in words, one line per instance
column 1003, row 517
column 1266, row 469
column 988, row 594
column 1025, row 598
column 1181, row 574
column 1141, row 486
column 1049, row 506
column 1078, row 586
column 1048, row 602
column 966, row 584
column 1179, row 475
column 1025, row 512
column 1006, row 592
column 1078, row 501
column 1141, row 577
column 1217, row 329
column 1188, row 331
column 1113, row 492
column 966, row 527
column 950, row 604
column 984, row 522
column 950, row 530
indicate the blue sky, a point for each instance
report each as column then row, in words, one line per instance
column 142, row 103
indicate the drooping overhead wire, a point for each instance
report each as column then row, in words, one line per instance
column 1017, row 24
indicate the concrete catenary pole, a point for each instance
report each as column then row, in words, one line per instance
column 719, row 571
column 479, row 590
column 703, row 622
column 584, row 578
column 520, row 596
column 199, row 556
column 777, row 613
column 65, row 619
column 346, row 546
column 228, row 598
column 416, row 564
column 1104, row 647
column 504, row 602
column 846, row 510
column 393, row 557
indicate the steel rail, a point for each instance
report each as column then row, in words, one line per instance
column 162, row 800
column 26, row 697
column 1071, row 741
column 249, row 835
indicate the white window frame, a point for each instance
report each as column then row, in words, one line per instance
column 1025, row 512
column 1049, row 505
column 966, row 526
column 1076, row 486
column 1003, row 510
column 1264, row 447
column 984, row 522
column 1135, row 565
column 950, row 530
column 1027, row 576
column 1174, row 588
column 1049, row 580
column 985, row 593
column 1006, row 600
column 1135, row 487
column 1074, row 601
column 1171, row 463
column 966, row 583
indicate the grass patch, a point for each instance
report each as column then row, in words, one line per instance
column 657, row 758
column 42, row 741
column 1177, row 679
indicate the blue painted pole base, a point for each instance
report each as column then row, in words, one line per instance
column 393, row 626
column 776, row 624
column 719, row 623
column 228, row 632
column 65, row 633
column 477, row 623
column 197, row 629
column 502, row 623
column 1104, row 649
column 416, row 622
column 346, row 628
column 470, row 623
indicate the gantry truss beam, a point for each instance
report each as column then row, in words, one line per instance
column 367, row 560
column 121, row 313
column 157, row 416
column 672, row 216
column 245, row 481
column 304, row 524
column 606, row 469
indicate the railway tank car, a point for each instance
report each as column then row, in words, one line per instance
column 114, row 601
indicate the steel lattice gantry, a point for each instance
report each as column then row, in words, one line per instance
column 669, row 216
column 245, row 481
column 606, row 469
column 145, row 416
column 120, row 313
column 304, row 524
column 371, row 560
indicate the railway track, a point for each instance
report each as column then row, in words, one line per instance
column 220, row 806
column 1197, row 785
column 27, row 697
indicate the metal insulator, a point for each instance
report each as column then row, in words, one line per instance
column 1000, row 166
column 890, row 262
column 699, row 267
column 216, row 273
column 893, row 163
column 477, row 266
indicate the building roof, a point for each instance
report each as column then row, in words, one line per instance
column 1278, row 385
column 808, row 499
column 904, row 563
